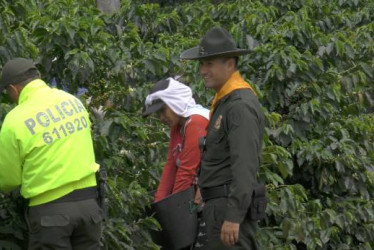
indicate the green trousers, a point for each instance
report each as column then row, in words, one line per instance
column 65, row 225
column 213, row 215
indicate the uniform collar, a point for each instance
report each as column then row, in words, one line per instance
column 234, row 82
column 31, row 88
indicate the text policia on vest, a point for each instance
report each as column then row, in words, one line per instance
column 67, row 109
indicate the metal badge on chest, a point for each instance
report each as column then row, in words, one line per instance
column 217, row 124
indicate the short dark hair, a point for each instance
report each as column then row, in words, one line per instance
column 236, row 58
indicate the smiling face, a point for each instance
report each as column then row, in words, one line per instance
column 216, row 71
column 168, row 117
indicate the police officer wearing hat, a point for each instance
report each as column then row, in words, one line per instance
column 47, row 150
column 232, row 146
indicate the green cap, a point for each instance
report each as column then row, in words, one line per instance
column 15, row 71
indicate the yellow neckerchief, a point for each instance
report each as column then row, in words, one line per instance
column 234, row 82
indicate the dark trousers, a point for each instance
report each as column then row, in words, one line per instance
column 213, row 215
column 65, row 225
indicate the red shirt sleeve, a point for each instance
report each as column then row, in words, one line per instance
column 189, row 158
column 168, row 175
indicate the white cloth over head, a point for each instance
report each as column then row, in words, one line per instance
column 178, row 97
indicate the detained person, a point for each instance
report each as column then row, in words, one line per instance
column 176, row 108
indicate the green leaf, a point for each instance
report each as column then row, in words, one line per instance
column 368, row 70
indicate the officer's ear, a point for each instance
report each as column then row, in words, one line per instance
column 13, row 92
column 230, row 62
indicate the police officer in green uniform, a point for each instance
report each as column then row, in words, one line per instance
column 232, row 145
column 46, row 148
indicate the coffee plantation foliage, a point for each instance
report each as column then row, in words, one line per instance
column 311, row 65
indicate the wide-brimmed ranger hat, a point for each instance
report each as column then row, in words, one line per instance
column 16, row 71
column 217, row 42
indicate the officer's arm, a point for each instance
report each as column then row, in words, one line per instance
column 10, row 162
column 243, row 138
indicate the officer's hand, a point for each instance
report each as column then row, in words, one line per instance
column 229, row 233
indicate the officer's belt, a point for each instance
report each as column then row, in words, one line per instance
column 215, row 192
column 51, row 195
column 78, row 195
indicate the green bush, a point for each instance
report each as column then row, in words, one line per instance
column 311, row 65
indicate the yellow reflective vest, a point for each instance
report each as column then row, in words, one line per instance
column 46, row 145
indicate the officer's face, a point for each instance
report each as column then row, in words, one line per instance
column 168, row 117
column 216, row 71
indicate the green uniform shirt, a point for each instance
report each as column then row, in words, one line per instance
column 46, row 145
column 233, row 147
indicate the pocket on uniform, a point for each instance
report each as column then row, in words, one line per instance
column 96, row 216
column 208, row 213
column 57, row 220
column 219, row 211
column 213, row 218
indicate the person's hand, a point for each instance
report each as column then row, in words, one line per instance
column 198, row 200
column 229, row 233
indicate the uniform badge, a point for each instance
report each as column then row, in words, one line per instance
column 217, row 124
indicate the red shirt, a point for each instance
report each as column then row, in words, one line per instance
column 180, row 169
